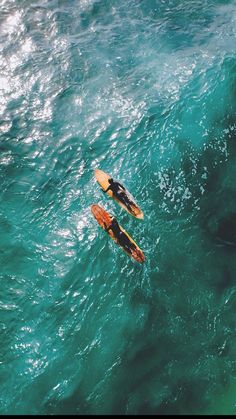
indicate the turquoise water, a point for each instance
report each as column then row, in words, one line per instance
column 145, row 90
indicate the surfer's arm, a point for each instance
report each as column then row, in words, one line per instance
column 107, row 228
column 113, row 224
column 121, row 186
column 104, row 191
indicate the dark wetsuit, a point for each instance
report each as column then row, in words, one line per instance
column 119, row 192
column 122, row 239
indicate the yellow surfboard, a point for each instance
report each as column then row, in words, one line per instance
column 133, row 209
column 104, row 219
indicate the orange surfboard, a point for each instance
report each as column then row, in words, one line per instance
column 104, row 219
column 102, row 179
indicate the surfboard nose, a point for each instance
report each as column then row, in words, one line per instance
column 140, row 216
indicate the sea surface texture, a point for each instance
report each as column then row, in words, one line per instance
column 146, row 91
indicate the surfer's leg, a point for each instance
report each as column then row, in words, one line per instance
column 126, row 243
column 127, row 248
column 125, row 200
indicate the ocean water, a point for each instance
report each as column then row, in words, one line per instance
column 145, row 90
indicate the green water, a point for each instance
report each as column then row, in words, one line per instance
column 145, row 90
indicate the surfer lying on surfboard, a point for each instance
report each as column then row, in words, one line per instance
column 122, row 239
column 118, row 191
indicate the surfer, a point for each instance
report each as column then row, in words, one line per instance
column 118, row 191
column 122, row 239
